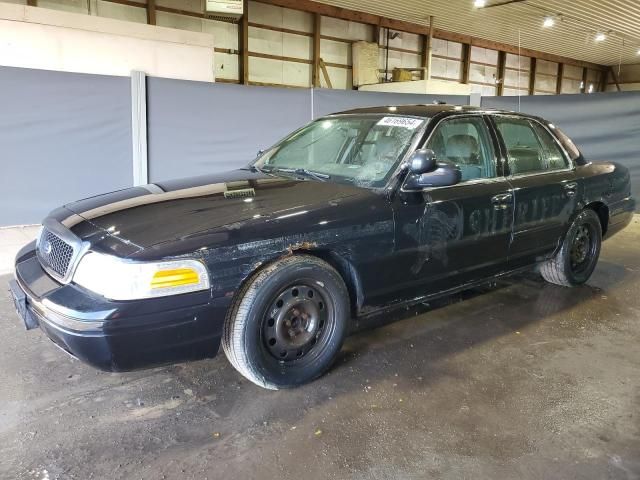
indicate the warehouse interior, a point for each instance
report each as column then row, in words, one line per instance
column 515, row 378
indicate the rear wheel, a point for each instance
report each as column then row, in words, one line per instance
column 287, row 323
column 578, row 255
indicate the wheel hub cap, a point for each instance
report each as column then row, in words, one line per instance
column 581, row 245
column 294, row 321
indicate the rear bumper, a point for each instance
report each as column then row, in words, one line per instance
column 620, row 215
column 118, row 336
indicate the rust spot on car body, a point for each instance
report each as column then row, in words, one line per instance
column 301, row 246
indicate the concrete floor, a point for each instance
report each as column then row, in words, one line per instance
column 522, row 380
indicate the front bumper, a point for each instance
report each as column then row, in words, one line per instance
column 117, row 336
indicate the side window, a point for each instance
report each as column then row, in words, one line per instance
column 530, row 148
column 466, row 143
column 555, row 159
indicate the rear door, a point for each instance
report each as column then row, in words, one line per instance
column 544, row 186
column 449, row 236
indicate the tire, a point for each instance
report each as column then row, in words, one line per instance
column 287, row 323
column 578, row 255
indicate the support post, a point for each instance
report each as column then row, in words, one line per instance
column 139, row 128
column 151, row 12
column 317, row 24
column 559, row 79
column 466, row 62
column 532, row 76
column 502, row 69
column 243, row 44
column 428, row 51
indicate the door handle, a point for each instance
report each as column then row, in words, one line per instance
column 571, row 188
column 502, row 198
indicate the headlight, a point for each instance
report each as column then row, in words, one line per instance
column 119, row 279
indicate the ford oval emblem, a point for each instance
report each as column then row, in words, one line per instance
column 46, row 248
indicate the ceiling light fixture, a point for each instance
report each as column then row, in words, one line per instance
column 638, row 51
column 600, row 37
column 548, row 22
column 479, row 3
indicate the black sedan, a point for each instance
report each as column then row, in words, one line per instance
column 353, row 214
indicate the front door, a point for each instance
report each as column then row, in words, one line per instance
column 449, row 236
column 544, row 185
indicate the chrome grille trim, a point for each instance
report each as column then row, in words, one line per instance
column 59, row 250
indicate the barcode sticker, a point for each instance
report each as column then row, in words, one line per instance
column 406, row 122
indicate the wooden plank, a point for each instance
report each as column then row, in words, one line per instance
column 151, row 12
column 502, row 62
column 279, row 85
column 243, row 44
column 281, row 57
column 560, row 78
column 614, row 75
column 280, row 29
column 466, row 62
column 533, row 71
column 317, row 28
column 325, row 73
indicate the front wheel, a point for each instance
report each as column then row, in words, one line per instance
column 287, row 323
column 578, row 255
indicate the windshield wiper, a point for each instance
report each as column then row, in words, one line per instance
column 307, row 173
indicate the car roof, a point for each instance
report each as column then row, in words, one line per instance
column 425, row 110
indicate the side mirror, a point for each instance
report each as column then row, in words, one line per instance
column 260, row 152
column 422, row 161
column 445, row 174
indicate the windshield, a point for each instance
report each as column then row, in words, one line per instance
column 356, row 149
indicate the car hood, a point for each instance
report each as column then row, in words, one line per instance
column 169, row 211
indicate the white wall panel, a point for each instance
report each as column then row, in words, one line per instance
column 226, row 66
column 225, row 33
column 181, row 22
column 340, row 78
column 335, row 27
column 571, row 86
column 335, row 52
column 121, row 12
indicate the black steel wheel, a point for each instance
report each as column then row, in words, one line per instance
column 288, row 322
column 295, row 322
column 577, row 258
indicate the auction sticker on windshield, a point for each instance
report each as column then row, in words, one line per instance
column 406, row 122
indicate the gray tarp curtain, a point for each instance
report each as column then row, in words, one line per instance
column 605, row 126
column 63, row 136
column 196, row 128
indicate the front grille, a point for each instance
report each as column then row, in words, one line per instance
column 55, row 253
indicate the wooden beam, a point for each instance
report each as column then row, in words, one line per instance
column 424, row 59
column 466, row 62
column 350, row 15
column 151, row 12
column 368, row 18
column 533, row 71
column 243, row 44
column 325, row 73
column 317, row 25
column 280, row 29
column 614, row 75
column 560, row 78
column 502, row 64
